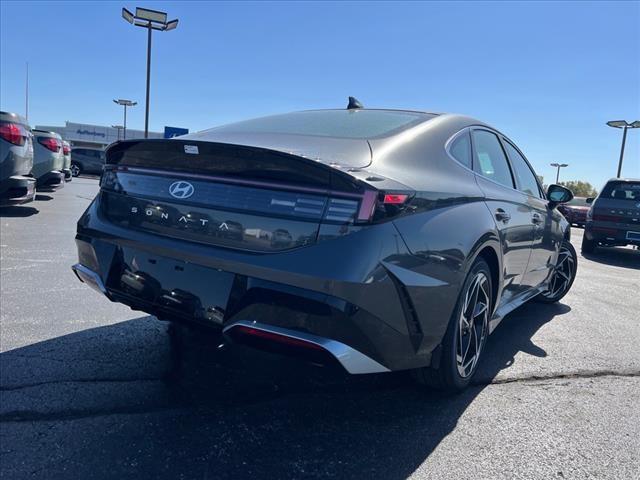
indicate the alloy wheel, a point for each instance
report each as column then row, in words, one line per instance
column 75, row 170
column 473, row 325
column 562, row 275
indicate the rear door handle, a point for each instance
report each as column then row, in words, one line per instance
column 502, row 216
column 536, row 218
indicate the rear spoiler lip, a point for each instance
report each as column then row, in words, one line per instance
column 122, row 146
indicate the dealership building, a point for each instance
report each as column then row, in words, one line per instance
column 97, row 136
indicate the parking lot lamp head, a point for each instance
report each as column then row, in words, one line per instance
column 127, row 15
column 624, row 125
column 151, row 20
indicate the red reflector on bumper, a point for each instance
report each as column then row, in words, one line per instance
column 274, row 337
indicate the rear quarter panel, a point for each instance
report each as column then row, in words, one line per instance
column 44, row 160
column 451, row 223
column 15, row 159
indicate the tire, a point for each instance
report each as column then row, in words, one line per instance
column 563, row 275
column 76, row 169
column 450, row 376
column 588, row 246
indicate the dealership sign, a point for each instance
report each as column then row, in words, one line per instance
column 170, row 132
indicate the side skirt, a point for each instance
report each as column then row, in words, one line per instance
column 518, row 301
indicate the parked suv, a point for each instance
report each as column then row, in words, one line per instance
column 86, row 160
column 48, row 160
column 614, row 217
column 16, row 160
column 66, row 168
column 378, row 239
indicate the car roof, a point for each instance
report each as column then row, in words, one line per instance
column 294, row 133
column 45, row 132
column 12, row 117
column 625, row 180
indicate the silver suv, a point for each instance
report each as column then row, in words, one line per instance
column 16, row 160
column 48, row 160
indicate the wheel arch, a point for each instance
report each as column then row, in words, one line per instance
column 488, row 248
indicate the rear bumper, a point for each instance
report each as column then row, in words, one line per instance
column 356, row 291
column 611, row 234
column 51, row 181
column 67, row 174
column 353, row 361
column 17, row 190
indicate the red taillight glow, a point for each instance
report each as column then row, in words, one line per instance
column 394, row 199
column 50, row 143
column 66, row 149
column 13, row 133
column 375, row 201
column 275, row 337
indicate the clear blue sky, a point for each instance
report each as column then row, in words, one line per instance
column 547, row 74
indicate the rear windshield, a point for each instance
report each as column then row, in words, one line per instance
column 622, row 191
column 331, row 123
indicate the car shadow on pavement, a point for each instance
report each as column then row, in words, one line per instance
column 616, row 257
column 129, row 401
column 19, row 211
column 43, row 198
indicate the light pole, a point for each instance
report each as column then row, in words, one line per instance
column 118, row 128
column 559, row 166
column 624, row 125
column 125, row 104
column 151, row 20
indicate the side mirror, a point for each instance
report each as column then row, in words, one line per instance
column 590, row 200
column 558, row 194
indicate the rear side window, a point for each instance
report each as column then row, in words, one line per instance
column 526, row 178
column 622, row 191
column 490, row 159
column 460, row 149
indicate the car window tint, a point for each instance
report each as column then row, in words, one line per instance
column 78, row 151
column 461, row 149
column 491, row 161
column 526, row 178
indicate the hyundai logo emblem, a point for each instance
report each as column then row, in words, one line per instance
column 181, row 190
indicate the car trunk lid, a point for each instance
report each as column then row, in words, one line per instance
column 234, row 196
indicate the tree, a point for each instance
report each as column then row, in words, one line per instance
column 580, row 188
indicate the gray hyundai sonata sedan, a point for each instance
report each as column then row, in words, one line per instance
column 378, row 239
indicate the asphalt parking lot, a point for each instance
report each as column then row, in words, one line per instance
column 91, row 389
